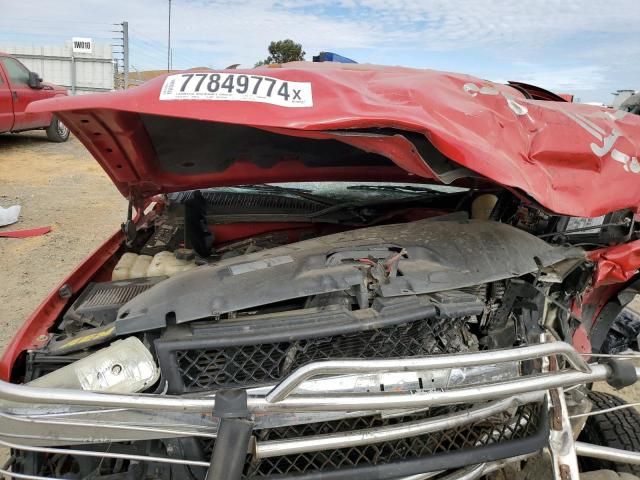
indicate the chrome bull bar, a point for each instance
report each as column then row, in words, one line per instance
column 283, row 398
column 291, row 446
column 336, row 367
column 28, row 396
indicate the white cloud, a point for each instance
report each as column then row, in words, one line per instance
column 238, row 31
column 241, row 27
column 575, row 80
column 469, row 23
column 544, row 33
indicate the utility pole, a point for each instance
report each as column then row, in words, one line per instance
column 73, row 74
column 121, row 57
column 169, row 41
column 125, row 53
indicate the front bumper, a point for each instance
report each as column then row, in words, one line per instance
column 34, row 419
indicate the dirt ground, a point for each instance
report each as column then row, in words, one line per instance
column 57, row 185
column 62, row 186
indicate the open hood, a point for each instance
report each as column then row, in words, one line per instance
column 323, row 121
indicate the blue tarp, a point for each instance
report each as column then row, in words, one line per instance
column 332, row 57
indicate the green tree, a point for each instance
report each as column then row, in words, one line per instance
column 283, row 51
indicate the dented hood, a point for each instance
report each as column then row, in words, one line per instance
column 356, row 122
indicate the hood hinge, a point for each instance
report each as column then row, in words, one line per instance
column 128, row 226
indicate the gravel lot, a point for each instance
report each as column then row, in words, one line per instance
column 62, row 186
column 58, row 185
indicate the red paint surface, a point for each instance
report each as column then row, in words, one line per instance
column 225, row 233
column 544, row 148
column 614, row 267
column 581, row 340
column 593, row 301
column 38, row 324
column 31, row 232
column 616, row 264
column 237, row 231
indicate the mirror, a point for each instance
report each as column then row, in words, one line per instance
column 34, row 80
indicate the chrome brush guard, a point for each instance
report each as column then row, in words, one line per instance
column 37, row 419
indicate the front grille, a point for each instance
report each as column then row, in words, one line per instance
column 520, row 423
column 254, row 365
column 107, row 294
column 98, row 304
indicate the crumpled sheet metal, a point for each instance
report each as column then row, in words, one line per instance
column 574, row 159
column 616, row 264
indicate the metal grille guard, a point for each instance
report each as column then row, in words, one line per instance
column 280, row 398
column 28, row 404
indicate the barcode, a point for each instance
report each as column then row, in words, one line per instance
column 169, row 87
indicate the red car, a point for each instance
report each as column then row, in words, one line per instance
column 339, row 271
column 18, row 88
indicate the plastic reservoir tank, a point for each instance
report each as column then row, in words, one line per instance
column 132, row 265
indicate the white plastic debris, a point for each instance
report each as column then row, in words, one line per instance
column 9, row 215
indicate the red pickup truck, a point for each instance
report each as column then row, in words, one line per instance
column 18, row 88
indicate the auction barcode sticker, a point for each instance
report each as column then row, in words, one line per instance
column 236, row 86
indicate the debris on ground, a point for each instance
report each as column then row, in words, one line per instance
column 9, row 215
column 29, row 232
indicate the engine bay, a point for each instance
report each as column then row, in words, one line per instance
column 190, row 230
column 238, row 288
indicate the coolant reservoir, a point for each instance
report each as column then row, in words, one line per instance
column 125, row 366
column 166, row 264
column 123, row 267
column 163, row 264
column 482, row 206
column 140, row 266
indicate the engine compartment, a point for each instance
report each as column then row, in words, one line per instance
column 193, row 230
column 238, row 288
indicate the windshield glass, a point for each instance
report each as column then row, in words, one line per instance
column 345, row 191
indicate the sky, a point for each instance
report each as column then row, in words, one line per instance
column 586, row 47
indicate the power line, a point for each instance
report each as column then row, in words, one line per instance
column 137, row 34
column 189, row 58
column 155, row 45
column 21, row 33
column 56, row 26
column 57, row 22
column 149, row 45
column 145, row 44
column 186, row 59
column 34, row 30
column 147, row 41
column 147, row 60
column 28, row 38
column 147, row 50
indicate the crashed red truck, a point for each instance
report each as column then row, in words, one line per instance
column 338, row 271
